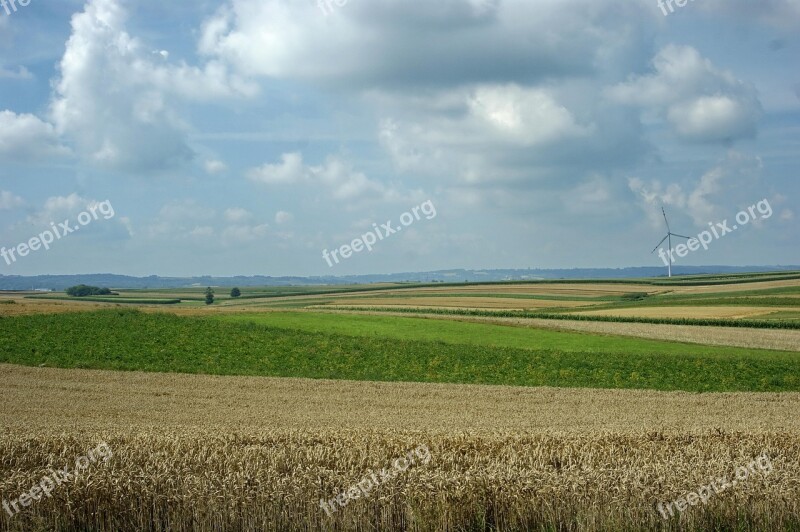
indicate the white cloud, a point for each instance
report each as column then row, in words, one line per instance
column 113, row 98
column 487, row 133
column 27, row 137
column 9, row 201
column 734, row 180
column 178, row 220
column 526, row 116
column 214, row 166
column 396, row 42
column 57, row 209
column 508, row 115
column 283, row 217
column 699, row 204
column 714, row 118
column 290, row 170
column 337, row 175
column 237, row 214
column 654, row 195
column 699, row 101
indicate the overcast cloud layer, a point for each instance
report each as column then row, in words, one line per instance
column 246, row 136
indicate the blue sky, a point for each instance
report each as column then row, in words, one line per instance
column 244, row 137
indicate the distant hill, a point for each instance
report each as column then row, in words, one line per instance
column 61, row 282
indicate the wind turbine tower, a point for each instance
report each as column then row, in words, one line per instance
column 669, row 236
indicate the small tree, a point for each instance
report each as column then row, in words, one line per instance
column 235, row 292
column 209, row 296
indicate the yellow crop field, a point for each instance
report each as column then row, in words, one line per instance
column 238, row 453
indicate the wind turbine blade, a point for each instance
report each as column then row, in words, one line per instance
column 686, row 237
column 662, row 241
column 665, row 218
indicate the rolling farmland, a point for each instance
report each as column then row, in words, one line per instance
column 240, row 415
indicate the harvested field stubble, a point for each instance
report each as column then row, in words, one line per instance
column 197, row 480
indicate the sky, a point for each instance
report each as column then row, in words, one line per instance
column 247, row 137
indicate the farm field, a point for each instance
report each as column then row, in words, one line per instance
column 245, row 414
column 386, row 349
column 203, row 452
column 689, row 312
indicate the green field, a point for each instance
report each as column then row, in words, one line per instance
column 385, row 349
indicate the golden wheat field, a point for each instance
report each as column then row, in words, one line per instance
column 239, row 453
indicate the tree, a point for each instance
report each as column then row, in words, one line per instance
column 83, row 290
column 209, row 296
column 235, row 292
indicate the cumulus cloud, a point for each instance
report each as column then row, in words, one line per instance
column 283, row 217
column 491, row 134
column 734, row 180
column 181, row 219
column 290, row 170
column 699, row 101
column 25, row 136
column 526, row 116
column 338, row 176
column 466, row 91
column 113, row 98
column 9, row 201
column 400, row 42
column 214, row 167
column 56, row 209
column 507, row 115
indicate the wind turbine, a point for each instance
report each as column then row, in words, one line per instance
column 669, row 236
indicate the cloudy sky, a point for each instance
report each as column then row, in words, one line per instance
column 246, row 136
